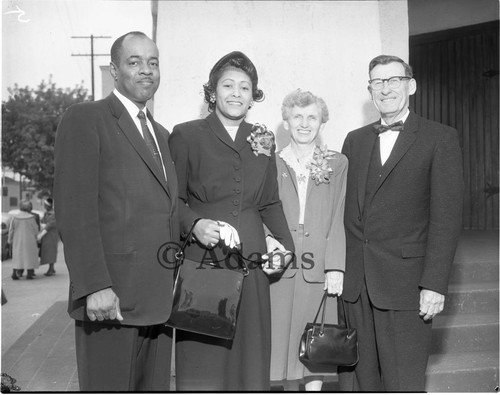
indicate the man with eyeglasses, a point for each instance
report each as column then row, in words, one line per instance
column 403, row 218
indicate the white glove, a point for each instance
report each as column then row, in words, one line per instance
column 229, row 235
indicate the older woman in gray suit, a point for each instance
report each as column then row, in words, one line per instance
column 312, row 185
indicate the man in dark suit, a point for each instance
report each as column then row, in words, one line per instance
column 116, row 205
column 402, row 219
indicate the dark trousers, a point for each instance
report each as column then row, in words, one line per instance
column 393, row 348
column 123, row 358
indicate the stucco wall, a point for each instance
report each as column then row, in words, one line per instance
column 321, row 46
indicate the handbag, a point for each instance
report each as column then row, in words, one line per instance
column 206, row 300
column 324, row 345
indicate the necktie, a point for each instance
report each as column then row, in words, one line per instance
column 397, row 126
column 150, row 141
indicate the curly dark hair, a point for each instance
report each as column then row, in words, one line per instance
column 240, row 61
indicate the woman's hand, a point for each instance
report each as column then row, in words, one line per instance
column 278, row 255
column 209, row 233
column 206, row 232
column 334, row 282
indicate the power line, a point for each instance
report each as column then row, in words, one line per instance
column 91, row 54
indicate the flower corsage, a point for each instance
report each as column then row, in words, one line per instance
column 261, row 140
column 319, row 167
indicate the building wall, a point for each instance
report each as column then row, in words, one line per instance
column 427, row 16
column 321, row 46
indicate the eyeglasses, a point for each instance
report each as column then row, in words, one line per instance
column 377, row 84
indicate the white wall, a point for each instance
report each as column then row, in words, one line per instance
column 434, row 15
column 321, row 46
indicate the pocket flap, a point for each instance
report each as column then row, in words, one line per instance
column 413, row 250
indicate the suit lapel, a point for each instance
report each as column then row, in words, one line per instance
column 130, row 131
column 368, row 141
column 403, row 143
column 167, row 159
column 291, row 174
column 241, row 137
column 220, row 131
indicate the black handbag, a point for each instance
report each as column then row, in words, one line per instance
column 206, row 296
column 324, row 345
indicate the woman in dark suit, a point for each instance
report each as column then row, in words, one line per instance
column 312, row 185
column 227, row 173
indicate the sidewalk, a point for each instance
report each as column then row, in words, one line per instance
column 37, row 334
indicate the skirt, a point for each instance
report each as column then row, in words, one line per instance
column 294, row 302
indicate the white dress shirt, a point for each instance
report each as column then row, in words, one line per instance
column 133, row 110
column 388, row 139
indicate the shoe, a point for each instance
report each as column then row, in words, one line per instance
column 14, row 277
column 15, row 274
column 50, row 273
column 30, row 275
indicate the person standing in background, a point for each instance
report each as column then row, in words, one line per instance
column 48, row 237
column 23, row 230
column 403, row 218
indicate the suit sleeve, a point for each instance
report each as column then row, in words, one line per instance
column 446, row 196
column 179, row 149
column 271, row 209
column 76, row 193
column 335, row 241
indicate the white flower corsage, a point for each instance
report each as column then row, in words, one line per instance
column 261, row 140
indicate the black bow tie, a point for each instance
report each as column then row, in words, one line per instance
column 397, row 126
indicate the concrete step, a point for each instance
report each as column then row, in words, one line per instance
column 474, row 272
column 465, row 332
column 463, row 372
column 472, row 298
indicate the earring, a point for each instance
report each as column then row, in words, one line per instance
column 212, row 98
column 251, row 104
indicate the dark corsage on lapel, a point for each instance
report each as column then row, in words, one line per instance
column 261, row 140
column 319, row 165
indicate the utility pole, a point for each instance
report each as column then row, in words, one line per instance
column 91, row 54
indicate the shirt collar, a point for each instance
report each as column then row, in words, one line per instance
column 130, row 106
column 403, row 118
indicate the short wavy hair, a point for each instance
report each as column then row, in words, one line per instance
column 116, row 48
column 303, row 99
column 25, row 206
column 235, row 59
column 386, row 59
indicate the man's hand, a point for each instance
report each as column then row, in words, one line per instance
column 280, row 257
column 431, row 304
column 103, row 305
column 334, row 282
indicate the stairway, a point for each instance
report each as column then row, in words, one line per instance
column 465, row 345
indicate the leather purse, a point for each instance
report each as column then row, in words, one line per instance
column 206, row 296
column 326, row 345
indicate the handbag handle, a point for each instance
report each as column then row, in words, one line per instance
column 323, row 305
column 179, row 255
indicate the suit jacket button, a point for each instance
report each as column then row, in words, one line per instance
column 235, row 213
column 236, row 155
column 366, row 241
column 306, row 234
column 359, row 217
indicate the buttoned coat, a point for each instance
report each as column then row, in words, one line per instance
column 222, row 179
column 324, row 235
column 115, row 210
column 407, row 239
